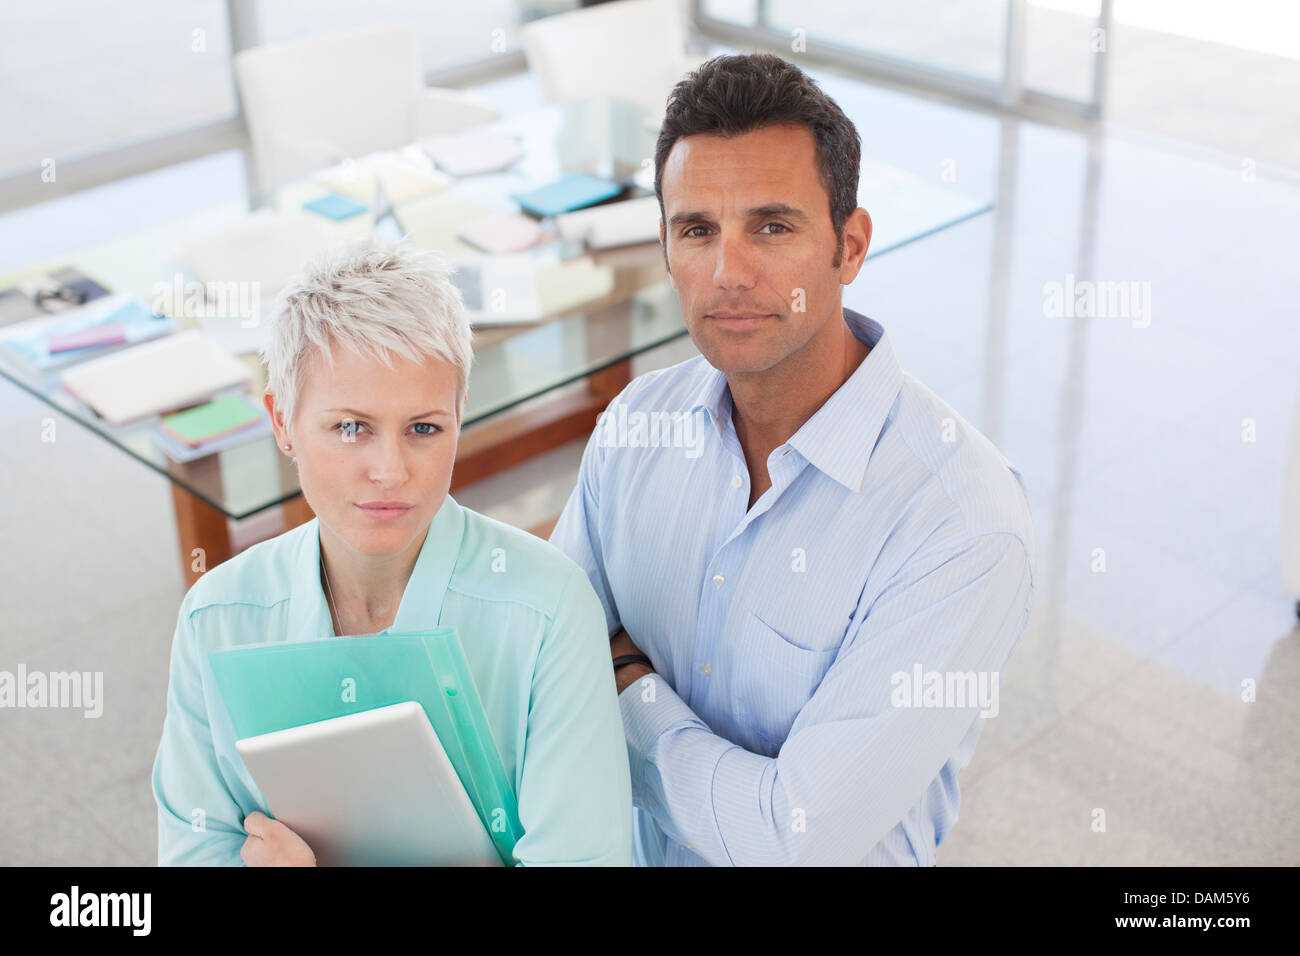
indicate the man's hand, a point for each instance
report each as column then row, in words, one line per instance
column 628, row 674
column 271, row 843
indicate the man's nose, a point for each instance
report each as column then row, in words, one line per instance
column 736, row 264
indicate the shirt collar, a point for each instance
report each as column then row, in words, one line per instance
column 421, row 605
column 858, row 407
column 713, row 396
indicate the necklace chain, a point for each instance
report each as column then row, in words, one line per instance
column 329, row 591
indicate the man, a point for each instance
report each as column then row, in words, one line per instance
column 824, row 587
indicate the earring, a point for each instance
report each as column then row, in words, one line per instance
column 286, row 447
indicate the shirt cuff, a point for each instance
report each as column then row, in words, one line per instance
column 650, row 709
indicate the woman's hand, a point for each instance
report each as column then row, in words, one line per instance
column 271, row 843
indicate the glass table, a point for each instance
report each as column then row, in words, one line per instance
column 533, row 386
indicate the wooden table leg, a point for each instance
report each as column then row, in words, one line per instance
column 204, row 534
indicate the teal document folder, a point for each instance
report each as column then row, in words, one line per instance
column 564, row 195
column 336, row 207
column 270, row 687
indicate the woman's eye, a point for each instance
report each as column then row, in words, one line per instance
column 351, row 429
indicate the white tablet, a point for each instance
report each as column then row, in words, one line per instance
column 373, row 788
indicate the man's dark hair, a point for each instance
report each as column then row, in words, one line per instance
column 736, row 94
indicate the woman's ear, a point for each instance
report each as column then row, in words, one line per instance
column 277, row 422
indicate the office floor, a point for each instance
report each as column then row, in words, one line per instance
column 1125, row 696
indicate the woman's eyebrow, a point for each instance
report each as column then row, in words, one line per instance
column 353, row 411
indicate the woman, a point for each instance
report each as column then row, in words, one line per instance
column 367, row 368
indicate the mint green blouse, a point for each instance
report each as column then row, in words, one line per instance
column 535, row 638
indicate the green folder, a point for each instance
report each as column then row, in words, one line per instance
column 270, row 687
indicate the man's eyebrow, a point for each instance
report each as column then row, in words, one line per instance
column 682, row 218
column 777, row 209
column 757, row 212
column 353, row 411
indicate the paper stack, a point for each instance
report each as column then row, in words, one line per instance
column 174, row 372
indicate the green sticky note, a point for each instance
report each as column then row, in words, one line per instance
column 211, row 419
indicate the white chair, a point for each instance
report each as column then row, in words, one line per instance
column 631, row 49
column 1291, row 516
column 314, row 102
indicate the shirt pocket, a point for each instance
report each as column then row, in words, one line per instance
column 774, row 679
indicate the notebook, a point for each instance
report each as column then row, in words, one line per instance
column 503, row 233
column 564, row 195
column 335, row 206
column 472, row 152
column 258, row 255
column 104, row 326
column 404, row 174
column 212, row 420
column 157, row 376
column 180, row 452
column 614, row 224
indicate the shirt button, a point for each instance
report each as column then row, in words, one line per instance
column 736, row 481
column 706, row 670
column 717, row 580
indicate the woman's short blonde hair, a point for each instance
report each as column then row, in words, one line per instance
column 376, row 298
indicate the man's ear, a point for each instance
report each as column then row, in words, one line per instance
column 857, row 239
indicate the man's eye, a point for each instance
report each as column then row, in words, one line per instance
column 691, row 230
column 778, row 225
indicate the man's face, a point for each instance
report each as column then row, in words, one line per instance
column 749, row 245
column 365, row 434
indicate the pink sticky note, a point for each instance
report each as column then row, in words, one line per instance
column 110, row 333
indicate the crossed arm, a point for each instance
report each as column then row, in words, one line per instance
column 855, row 762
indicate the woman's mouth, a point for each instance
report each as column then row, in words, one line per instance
column 384, row 510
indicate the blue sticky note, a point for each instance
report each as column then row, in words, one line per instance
column 336, row 206
column 564, row 195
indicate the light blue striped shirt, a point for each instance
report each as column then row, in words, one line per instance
column 796, row 644
column 534, row 641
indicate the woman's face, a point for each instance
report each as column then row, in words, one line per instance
column 364, row 435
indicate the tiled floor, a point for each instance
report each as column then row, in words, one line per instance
column 1123, row 703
